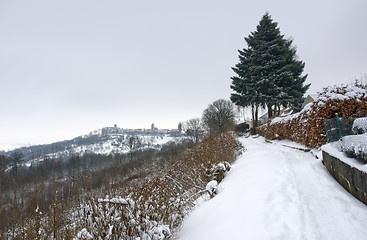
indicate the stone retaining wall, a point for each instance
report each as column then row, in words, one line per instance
column 351, row 178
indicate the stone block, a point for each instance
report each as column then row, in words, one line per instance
column 357, row 179
column 345, row 170
column 364, row 181
column 352, row 179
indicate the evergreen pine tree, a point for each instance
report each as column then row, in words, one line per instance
column 268, row 72
column 245, row 86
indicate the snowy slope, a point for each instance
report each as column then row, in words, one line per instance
column 106, row 145
column 102, row 141
column 276, row 192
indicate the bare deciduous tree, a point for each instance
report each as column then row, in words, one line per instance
column 194, row 129
column 219, row 117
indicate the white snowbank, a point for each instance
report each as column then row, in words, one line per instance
column 276, row 192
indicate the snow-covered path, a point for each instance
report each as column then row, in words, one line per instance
column 276, row 192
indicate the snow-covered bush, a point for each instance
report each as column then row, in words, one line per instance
column 360, row 125
column 84, row 234
column 218, row 171
column 355, row 146
column 119, row 218
column 211, row 188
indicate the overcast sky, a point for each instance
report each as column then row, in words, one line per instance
column 72, row 66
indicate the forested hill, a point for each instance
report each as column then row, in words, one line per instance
column 108, row 140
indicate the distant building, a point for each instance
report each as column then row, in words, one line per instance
column 153, row 128
column 111, row 130
column 264, row 118
column 309, row 99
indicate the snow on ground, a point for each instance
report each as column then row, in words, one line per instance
column 276, row 192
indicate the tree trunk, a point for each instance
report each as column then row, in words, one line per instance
column 256, row 115
column 15, row 210
column 270, row 110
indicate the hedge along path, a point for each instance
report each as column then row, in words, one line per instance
column 307, row 127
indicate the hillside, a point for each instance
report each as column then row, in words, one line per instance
column 277, row 192
column 105, row 141
column 135, row 194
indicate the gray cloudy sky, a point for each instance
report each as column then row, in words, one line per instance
column 72, row 66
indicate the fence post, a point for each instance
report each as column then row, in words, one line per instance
column 339, row 127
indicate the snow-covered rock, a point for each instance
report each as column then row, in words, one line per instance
column 211, row 188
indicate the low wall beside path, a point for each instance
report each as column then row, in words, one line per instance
column 351, row 178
